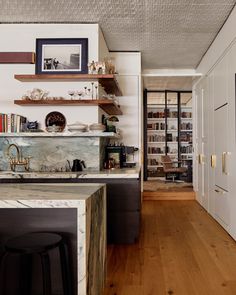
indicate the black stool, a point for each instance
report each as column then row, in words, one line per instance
column 41, row 244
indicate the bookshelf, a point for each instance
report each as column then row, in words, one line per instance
column 168, row 123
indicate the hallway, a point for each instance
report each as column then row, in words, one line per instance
column 182, row 250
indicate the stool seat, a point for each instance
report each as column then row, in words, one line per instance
column 33, row 243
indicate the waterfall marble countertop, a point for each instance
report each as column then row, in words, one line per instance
column 48, row 191
column 114, row 173
column 90, row 202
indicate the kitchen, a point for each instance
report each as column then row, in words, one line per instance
column 76, row 190
column 46, row 156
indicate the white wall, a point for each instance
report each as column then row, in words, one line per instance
column 128, row 66
column 22, row 37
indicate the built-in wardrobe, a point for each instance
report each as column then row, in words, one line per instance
column 214, row 141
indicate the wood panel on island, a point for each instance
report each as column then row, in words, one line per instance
column 107, row 81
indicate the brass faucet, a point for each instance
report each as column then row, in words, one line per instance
column 18, row 160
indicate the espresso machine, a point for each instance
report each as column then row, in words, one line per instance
column 121, row 155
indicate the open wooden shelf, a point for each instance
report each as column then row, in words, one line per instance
column 109, row 106
column 108, row 82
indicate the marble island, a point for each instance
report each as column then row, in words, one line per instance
column 89, row 200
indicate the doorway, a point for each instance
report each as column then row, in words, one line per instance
column 168, row 130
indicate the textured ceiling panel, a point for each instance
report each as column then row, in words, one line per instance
column 169, row 33
column 168, row 83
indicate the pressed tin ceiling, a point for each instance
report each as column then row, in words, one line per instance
column 169, row 33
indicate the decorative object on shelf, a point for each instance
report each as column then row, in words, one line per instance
column 32, row 125
column 110, row 123
column 77, row 127
column 102, row 67
column 35, row 94
column 55, row 122
column 110, row 67
column 62, row 56
column 98, row 67
column 96, row 90
column 108, row 82
column 98, row 127
column 17, row 57
column 91, row 67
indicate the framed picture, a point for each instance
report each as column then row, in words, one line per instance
column 62, row 56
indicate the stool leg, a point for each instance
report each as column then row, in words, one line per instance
column 46, row 270
column 65, row 269
column 3, row 273
column 25, row 274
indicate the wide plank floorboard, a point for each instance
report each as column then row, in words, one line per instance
column 182, row 250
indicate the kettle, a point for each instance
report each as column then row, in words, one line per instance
column 77, row 165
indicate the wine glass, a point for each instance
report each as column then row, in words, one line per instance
column 71, row 93
column 89, row 91
column 85, row 90
column 80, row 94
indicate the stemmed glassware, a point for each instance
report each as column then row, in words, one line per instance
column 72, row 94
column 96, row 90
column 80, row 94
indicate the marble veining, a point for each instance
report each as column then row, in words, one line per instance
column 51, row 154
column 116, row 173
column 90, row 202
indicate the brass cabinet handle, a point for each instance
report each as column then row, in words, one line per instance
column 201, row 159
column 224, row 164
column 220, row 191
column 213, row 161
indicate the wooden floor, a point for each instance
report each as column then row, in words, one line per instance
column 182, row 250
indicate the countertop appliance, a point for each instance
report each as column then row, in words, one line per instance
column 121, row 155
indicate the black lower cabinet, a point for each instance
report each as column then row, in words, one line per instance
column 123, row 209
column 123, row 205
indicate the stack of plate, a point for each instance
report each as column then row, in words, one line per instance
column 97, row 127
column 54, row 128
column 77, row 127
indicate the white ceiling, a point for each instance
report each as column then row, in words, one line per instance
column 169, row 33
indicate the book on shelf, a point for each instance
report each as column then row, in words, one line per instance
column 11, row 123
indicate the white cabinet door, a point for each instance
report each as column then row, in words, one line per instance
column 222, row 211
column 199, row 144
column 221, row 147
column 221, row 82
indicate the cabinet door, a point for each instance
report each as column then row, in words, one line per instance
column 222, row 209
column 221, row 82
column 222, row 162
column 199, row 144
column 221, row 147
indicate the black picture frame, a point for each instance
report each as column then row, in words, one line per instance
column 62, row 56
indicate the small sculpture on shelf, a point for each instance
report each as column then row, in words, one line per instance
column 102, row 67
column 35, row 94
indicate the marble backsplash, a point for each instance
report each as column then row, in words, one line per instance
column 51, row 154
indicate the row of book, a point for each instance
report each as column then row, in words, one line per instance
column 12, row 123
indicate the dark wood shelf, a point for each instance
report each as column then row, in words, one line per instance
column 108, row 81
column 109, row 106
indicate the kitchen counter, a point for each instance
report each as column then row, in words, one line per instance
column 90, row 202
column 114, row 173
column 123, row 196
